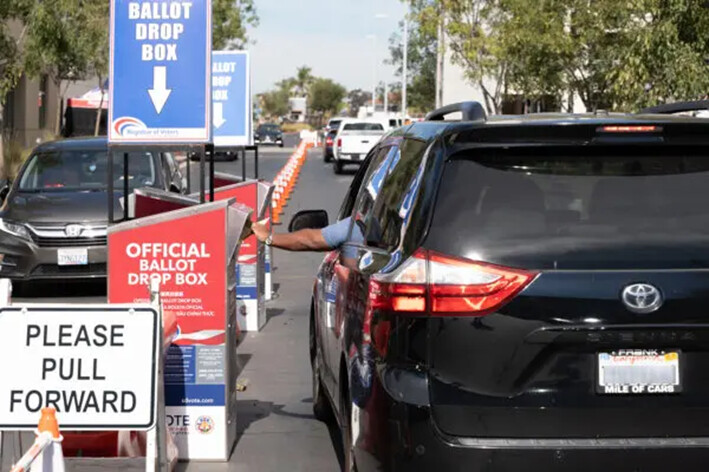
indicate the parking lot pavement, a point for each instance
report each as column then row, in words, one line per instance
column 276, row 429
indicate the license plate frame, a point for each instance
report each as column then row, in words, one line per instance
column 355, row 157
column 634, row 363
column 68, row 257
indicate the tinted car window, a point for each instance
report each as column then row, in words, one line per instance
column 334, row 124
column 73, row 170
column 368, row 193
column 363, row 127
column 398, row 192
column 348, row 203
column 576, row 208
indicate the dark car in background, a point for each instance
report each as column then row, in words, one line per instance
column 269, row 133
column 329, row 133
column 54, row 215
column 520, row 293
column 219, row 155
column 329, row 145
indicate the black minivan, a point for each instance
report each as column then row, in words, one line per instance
column 521, row 293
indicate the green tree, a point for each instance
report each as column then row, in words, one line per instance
column 667, row 44
column 275, row 103
column 303, row 80
column 472, row 29
column 614, row 55
column 421, row 60
column 11, row 63
column 230, row 18
column 57, row 45
column 96, row 37
column 356, row 99
column 326, row 96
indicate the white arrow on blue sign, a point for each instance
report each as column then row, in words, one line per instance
column 160, row 71
column 231, row 99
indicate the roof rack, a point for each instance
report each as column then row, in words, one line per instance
column 472, row 111
column 678, row 107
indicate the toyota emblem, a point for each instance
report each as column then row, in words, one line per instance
column 73, row 231
column 642, row 298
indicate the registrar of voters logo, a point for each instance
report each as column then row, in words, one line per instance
column 205, row 424
column 128, row 126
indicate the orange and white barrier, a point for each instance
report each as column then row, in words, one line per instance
column 309, row 137
column 45, row 454
column 287, row 178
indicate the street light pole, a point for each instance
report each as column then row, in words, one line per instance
column 386, row 97
column 374, row 76
column 404, row 78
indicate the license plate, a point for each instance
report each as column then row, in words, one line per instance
column 639, row 371
column 355, row 157
column 72, row 257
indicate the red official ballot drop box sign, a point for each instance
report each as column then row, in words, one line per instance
column 192, row 252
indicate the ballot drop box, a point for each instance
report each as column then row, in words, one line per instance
column 192, row 251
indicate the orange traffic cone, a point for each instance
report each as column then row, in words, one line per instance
column 46, row 453
column 52, row 458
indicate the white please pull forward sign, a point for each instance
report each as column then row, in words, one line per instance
column 94, row 364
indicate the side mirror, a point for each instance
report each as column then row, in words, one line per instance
column 310, row 219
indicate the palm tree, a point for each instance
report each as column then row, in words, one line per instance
column 303, row 79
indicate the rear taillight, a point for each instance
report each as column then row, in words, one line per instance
column 339, row 142
column 328, row 141
column 441, row 285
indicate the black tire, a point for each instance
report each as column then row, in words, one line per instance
column 337, row 167
column 280, row 145
column 327, row 157
column 321, row 405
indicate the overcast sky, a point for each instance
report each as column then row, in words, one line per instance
column 329, row 36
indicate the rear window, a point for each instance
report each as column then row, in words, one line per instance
column 576, row 208
column 363, row 127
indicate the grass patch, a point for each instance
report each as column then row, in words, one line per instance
column 296, row 127
column 14, row 155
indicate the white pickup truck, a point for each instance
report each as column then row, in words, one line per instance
column 353, row 142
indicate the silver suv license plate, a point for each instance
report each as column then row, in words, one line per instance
column 639, row 371
column 72, row 257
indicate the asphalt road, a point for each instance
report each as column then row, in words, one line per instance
column 276, row 429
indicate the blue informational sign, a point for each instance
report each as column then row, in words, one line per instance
column 231, row 99
column 160, row 69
